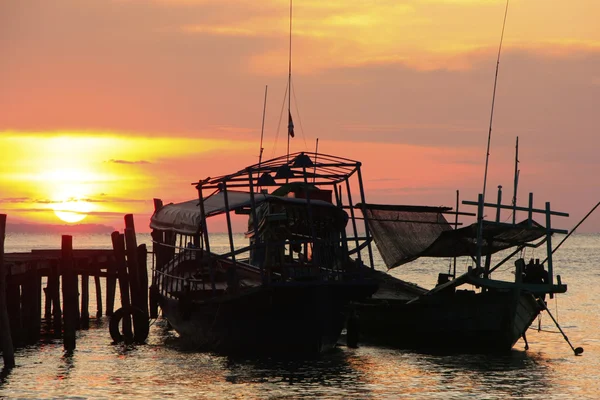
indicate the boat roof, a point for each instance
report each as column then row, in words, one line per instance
column 185, row 218
column 309, row 167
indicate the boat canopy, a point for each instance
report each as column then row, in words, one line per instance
column 405, row 233
column 186, row 219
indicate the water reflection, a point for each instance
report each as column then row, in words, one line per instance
column 329, row 375
column 411, row 374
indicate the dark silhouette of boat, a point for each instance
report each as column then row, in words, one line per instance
column 287, row 287
column 471, row 312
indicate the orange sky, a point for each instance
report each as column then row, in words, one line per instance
column 110, row 103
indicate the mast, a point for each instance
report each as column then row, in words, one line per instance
column 289, row 85
column 262, row 129
column 487, row 157
column 481, row 199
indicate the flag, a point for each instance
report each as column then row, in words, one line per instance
column 290, row 125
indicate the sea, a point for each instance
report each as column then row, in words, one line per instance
column 165, row 368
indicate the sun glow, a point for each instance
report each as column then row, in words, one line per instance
column 72, row 210
column 70, row 199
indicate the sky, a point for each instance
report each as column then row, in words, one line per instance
column 107, row 104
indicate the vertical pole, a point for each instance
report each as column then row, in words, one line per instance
column 258, row 248
column 143, row 276
column 289, row 86
column 26, row 301
column 355, row 230
column 139, row 295
column 530, row 212
column 340, row 204
column 85, row 294
column 232, row 278
column 132, row 260
column 5, row 336
column 367, row 232
column 516, row 181
column 112, row 273
column 69, row 291
column 13, row 305
column 37, row 306
column 479, row 228
column 228, row 218
column 98, row 296
column 118, row 242
column 54, row 278
column 31, row 304
column 262, row 129
column 456, row 227
column 206, row 239
column 499, row 203
column 549, row 244
column 48, row 300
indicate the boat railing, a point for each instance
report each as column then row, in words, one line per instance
column 530, row 210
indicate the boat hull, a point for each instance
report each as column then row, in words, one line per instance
column 464, row 321
column 290, row 319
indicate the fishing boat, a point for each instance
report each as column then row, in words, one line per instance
column 284, row 286
column 471, row 312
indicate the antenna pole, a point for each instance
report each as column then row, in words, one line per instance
column 316, row 155
column 455, row 227
column 289, row 83
column 262, row 129
column 516, row 183
column 487, row 157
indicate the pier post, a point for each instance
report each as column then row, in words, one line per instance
column 111, row 286
column 31, row 305
column 54, row 293
column 69, row 291
column 47, row 301
column 13, row 304
column 133, row 265
column 98, row 296
column 5, row 335
column 85, row 294
column 143, row 275
column 37, row 306
column 118, row 241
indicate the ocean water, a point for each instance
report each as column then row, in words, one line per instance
column 164, row 368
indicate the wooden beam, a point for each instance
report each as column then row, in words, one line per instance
column 5, row 334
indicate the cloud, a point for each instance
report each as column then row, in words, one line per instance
column 127, row 162
column 15, row 200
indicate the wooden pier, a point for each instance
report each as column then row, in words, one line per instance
column 47, row 292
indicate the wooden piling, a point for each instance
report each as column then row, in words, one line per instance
column 85, row 295
column 111, row 287
column 69, row 291
column 36, row 309
column 142, row 257
column 139, row 294
column 54, row 293
column 31, row 306
column 13, row 304
column 5, row 335
column 118, row 242
column 132, row 261
column 47, row 302
column 98, row 296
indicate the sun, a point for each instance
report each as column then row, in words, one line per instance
column 72, row 210
column 70, row 194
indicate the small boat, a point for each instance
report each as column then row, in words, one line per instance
column 468, row 313
column 283, row 288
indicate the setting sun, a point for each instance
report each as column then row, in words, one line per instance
column 70, row 193
column 72, row 211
